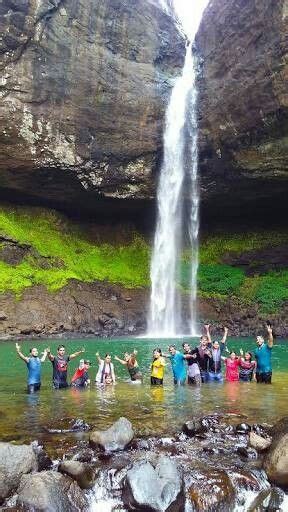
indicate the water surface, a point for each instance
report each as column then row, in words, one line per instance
column 151, row 410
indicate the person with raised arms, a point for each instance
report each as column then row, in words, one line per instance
column 214, row 355
column 105, row 374
column 80, row 378
column 131, row 364
column 263, row 357
column 33, row 363
column 60, row 366
column 178, row 365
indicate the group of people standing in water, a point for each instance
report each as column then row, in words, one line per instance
column 195, row 366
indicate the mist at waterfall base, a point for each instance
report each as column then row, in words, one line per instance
column 178, row 172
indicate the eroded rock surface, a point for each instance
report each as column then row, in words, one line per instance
column 243, row 47
column 154, row 489
column 15, row 461
column 50, row 491
column 84, row 89
column 115, row 438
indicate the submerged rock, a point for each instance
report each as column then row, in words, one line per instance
column 83, row 473
column 211, row 490
column 15, row 461
column 154, row 488
column 194, row 426
column 114, row 438
column 50, row 491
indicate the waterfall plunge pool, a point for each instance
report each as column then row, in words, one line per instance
column 152, row 411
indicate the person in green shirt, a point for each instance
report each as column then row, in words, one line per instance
column 263, row 357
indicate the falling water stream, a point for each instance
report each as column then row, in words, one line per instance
column 180, row 165
column 165, row 300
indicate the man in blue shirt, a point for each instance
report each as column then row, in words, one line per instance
column 263, row 357
column 178, row 364
column 34, row 368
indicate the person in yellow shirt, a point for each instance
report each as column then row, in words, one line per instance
column 157, row 368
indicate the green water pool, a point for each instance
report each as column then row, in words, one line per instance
column 151, row 410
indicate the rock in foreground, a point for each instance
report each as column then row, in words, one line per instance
column 15, row 461
column 83, row 473
column 276, row 462
column 49, row 491
column 114, row 438
column 154, row 489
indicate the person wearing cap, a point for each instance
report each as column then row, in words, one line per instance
column 80, row 378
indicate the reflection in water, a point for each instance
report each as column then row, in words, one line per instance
column 152, row 410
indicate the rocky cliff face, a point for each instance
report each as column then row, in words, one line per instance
column 84, row 88
column 243, row 47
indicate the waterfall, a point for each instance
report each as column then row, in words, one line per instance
column 180, row 141
column 194, row 200
column 164, row 306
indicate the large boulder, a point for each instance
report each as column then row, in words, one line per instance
column 281, row 427
column 276, row 461
column 83, row 473
column 114, row 438
column 211, row 490
column 50, row 491
column 84, row 91
column 15, row 461
column 156, row 488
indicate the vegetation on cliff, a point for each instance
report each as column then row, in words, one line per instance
column 54, row 250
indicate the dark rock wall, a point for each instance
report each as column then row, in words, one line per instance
column 84, row 88
column 243, row 48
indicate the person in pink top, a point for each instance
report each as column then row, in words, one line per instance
column 232, row 364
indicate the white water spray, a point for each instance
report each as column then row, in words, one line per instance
column 164, row 310
column 194, row 201
column 181, row 122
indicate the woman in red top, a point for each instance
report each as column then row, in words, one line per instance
column 232, row 367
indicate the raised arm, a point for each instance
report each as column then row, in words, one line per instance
column 50, row 356
column 98, row 358
column 207, row 331
column 270, row 336
column 189, row 356
column 120, row 360
column 224, row 335
column 76, row 354
column 44, row 355
column 18, row 350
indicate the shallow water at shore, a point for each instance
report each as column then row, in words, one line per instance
column 152, row 411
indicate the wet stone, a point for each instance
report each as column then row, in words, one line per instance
column 247, row 452
column 242, row 428
column 83, row 473
column 258, row 442
column 115, row 438
column 154, row 488
column 203, row 500
column 50, row 491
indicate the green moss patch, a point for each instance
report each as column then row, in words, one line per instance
column 213, row 248
column 75, row 257
column 214, row 279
